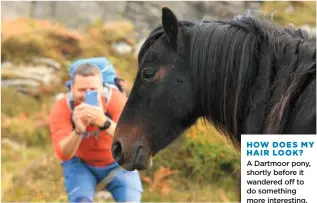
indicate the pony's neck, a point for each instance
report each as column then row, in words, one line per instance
column 239, row 70
column 222, row 60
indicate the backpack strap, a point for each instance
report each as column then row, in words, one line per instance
column 70, row 103
column 107, row 93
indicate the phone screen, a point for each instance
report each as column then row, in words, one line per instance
column 92, row 98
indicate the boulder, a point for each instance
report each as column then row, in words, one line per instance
column 42, row 75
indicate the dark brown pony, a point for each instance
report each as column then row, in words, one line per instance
column 244, row 76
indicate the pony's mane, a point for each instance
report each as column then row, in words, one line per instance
column 246, row 70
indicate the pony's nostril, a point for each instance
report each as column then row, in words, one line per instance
column 117, row 152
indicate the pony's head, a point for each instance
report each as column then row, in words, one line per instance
column 161, row 104
column 242, row 75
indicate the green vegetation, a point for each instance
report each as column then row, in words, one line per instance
column 292, row 12
column 31, row 171
column 199, row 166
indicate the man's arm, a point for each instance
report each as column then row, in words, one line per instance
column 112, row 126
column 65, row 140
column 99, row 119
column 115, row 108
column 70, row 144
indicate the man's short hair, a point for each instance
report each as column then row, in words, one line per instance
column 86, row 70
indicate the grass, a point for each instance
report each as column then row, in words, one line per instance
column 202, row 159
column 39, row 178
column 183, row 172
column 196, row 193
column 33, row 173
column 295, row 12
column 15, row 162
column 199, row 166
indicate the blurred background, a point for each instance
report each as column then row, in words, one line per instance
column 39, row 40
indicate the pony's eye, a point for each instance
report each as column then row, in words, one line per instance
column 148, row 74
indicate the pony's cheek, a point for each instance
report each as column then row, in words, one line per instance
column 179, row 82
column 161, row 73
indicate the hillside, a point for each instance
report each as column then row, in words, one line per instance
column 200, row 166
column 47, row 49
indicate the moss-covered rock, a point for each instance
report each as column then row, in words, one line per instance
column 39, row 77
column 40, row 38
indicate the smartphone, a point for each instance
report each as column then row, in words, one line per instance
column 91, row 98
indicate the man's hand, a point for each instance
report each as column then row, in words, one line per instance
column 81, row 120
column 95, row 115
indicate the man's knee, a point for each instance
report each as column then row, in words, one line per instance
column 125, row 194
column 129, row 179
column 126, row 186
column 132, row 202
column 81, row 194
column 78, row 189
column 81, row 199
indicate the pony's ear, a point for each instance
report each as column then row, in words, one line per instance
column 170, row 26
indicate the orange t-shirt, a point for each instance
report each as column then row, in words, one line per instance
column 96, row 152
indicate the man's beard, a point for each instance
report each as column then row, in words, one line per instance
column 79, row 100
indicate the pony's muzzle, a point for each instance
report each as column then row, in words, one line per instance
column 117, row 152
column 131, row 157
